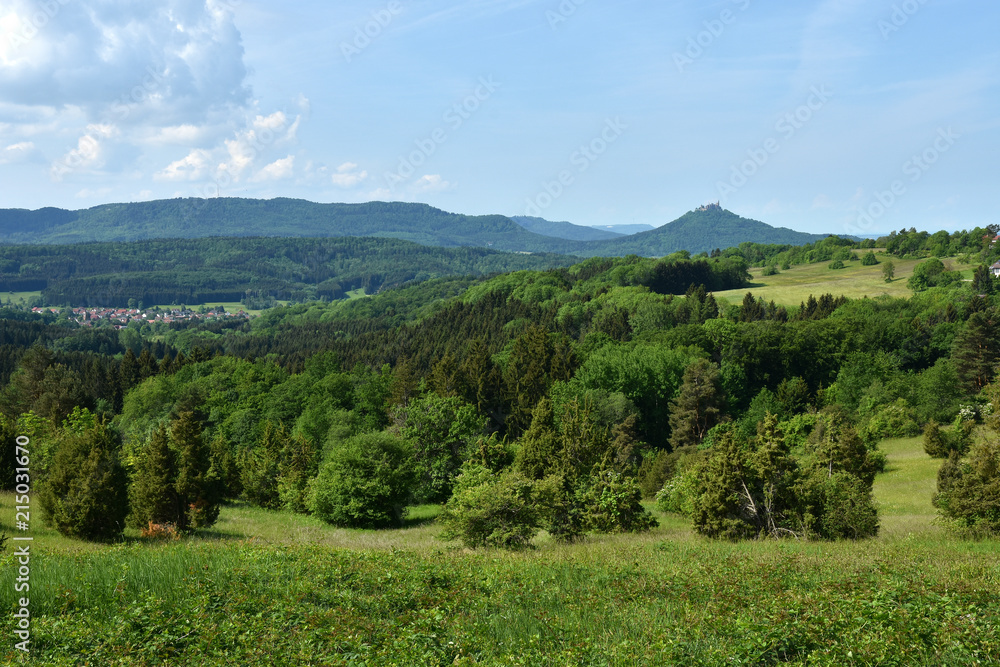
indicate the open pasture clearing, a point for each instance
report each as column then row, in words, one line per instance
column 795, row 285
column 264, row 588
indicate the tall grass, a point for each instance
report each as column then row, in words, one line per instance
column 267, row 588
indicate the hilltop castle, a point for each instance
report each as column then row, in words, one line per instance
column 710, row 207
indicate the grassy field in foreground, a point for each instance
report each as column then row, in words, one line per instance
column 265, row 588
column 794, row 286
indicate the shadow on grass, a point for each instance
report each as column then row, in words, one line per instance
column 415, row 521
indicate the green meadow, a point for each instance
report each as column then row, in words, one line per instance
column 794, row 286
column 267, row 588
column 18, row 297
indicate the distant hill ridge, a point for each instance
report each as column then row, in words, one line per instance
column 700, row 230
column 565, row 230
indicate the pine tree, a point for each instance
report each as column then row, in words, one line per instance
column 260, row 466
column 198, row 488
column 697, row 407
column 444, row 377
column 527, row 376
column 982, row 280
column 480, row 379
column 752, row 309
column 153, row 495
column 540, row 451
column 976, row 350
column 175, row 482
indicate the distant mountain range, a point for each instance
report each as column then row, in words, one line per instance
column 565, row 230
column 697, row 231
column 625, row 229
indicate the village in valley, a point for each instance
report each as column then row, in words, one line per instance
column 121, row 317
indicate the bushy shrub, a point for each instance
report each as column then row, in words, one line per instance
column 836, row 264
column 612, row 504
column 86, row 492
column 760, row 488
column 678, row 494
column 843, row 507
column 941, row 444
column 365, row 483
column 869, row 259
column 503, row 510
column 969, row 492
column 895, row 420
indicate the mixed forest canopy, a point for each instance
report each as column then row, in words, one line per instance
column 192, row 272
column 535, row 400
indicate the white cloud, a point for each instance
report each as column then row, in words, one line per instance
column 20, row 152
column 248, row 151
column 277, row 170
column 179, row 135
column 432, row 183
column 177, row 58
column 275, row 121
column 191, row 168
column 90, row 153
column 348, row 175
column 88, row 193
column 382, row 194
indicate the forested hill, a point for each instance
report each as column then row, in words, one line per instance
column 198, row 218
column 702, row 230
column 195, row 271
column 696, row 231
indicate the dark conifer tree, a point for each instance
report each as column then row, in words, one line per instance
column 698, row 406
column 153, row 495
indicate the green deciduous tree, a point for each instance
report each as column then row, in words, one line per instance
column 441, row 430
column 365, row 482
column 888, row 271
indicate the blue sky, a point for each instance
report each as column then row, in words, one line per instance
column 830, row 116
